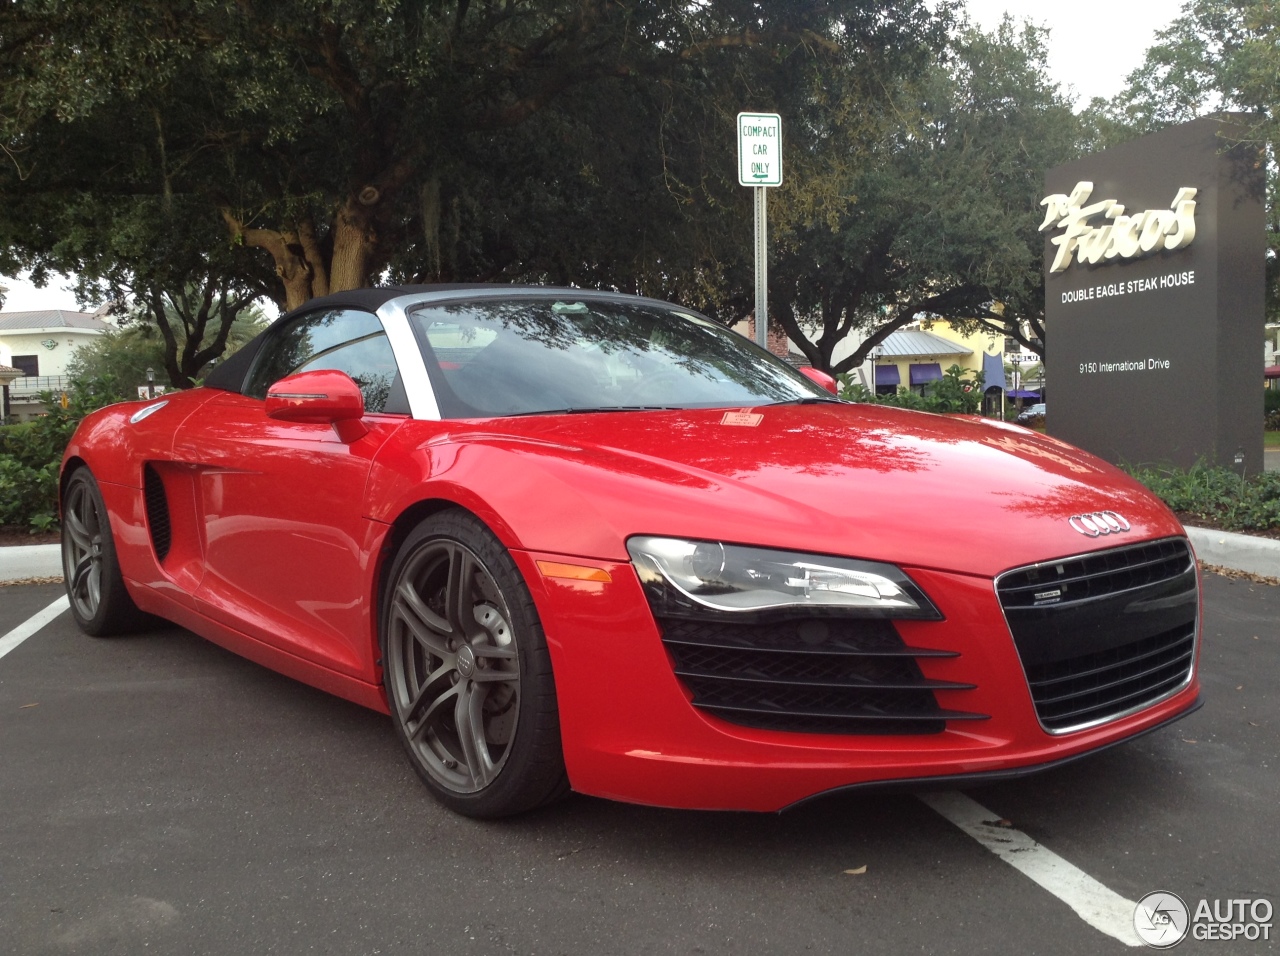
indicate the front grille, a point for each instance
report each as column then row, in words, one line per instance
column 1096, row 575
column 1103, row 634
column 809, row 675
column 157, row 512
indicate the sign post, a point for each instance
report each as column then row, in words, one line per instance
column 760, row 166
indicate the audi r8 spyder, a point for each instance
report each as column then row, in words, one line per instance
column 579, row 540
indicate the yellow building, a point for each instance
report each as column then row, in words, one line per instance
column 912, row 358
column 977, row 343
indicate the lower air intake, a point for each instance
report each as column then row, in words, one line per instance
column 809, row 676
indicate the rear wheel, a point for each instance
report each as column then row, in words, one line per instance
column 100, row 603
column 467, row 673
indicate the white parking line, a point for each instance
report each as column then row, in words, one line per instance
column 32, row 624
column 1104, row 910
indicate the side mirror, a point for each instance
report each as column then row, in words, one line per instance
column 322, row 397
column 821, row 378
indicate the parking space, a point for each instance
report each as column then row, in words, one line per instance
column 160, row 793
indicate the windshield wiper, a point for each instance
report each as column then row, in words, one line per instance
column 593, row 410
column 812, row 400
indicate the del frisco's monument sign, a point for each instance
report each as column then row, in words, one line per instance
column 1154, row 259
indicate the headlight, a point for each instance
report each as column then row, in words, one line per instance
column 683, row 577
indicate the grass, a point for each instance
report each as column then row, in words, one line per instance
column 1271, row 439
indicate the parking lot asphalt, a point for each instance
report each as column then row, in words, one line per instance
column 162, row 795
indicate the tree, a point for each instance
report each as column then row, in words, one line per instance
column 340, row 142
column 930, row 208
column 1219, row 55
column 121, row 357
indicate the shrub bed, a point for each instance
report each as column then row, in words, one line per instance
column 1218, row 497
column 958, row 392
column 31, row 454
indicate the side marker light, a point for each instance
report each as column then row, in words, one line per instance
column 573, row 572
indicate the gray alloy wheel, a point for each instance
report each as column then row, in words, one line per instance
column 467, row 673
column 100, row 603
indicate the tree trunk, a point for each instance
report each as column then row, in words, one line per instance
column 289, row 250
column 355, row 242
column 429, row 197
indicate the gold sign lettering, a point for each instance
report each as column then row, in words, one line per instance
column 1101, row 232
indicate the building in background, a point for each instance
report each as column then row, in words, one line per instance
column 40, row 346
column 914, row 358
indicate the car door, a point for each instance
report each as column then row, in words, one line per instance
column 287, row 548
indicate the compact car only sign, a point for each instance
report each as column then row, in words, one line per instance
column 759, row 149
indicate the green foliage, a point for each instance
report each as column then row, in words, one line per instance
column 958, row 392
column 28, row 496
column 31, row 453
column 1218, row 55
column 29, row 474
column 120, row 356
column 123, row 355
column 298, row 148
column 928, row 206
column 1271, row 409
column 1218, row 495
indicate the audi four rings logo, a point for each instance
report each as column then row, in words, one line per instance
column 1099, row 523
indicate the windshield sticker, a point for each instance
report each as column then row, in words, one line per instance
column 747, row 419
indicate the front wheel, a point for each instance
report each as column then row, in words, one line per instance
column 100, row 603
column 467, row 673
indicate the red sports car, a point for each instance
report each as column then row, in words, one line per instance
column 580, row 540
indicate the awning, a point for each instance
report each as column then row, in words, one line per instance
column 887, row 375
column 992, row 370
column 1022, row 393
column 1271, row 371
column 917, row 343
column 925, row 373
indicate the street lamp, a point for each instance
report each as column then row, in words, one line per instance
column 151, row 383
column 873, row 356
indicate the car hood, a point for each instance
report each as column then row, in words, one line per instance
column 954, row 493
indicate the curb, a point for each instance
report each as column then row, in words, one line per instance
column 19, row 562
column 1239, row 552
column 1226, row 549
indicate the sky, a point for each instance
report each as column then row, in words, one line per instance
column 1093, row 46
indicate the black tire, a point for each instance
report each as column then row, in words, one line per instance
column 467, row 673
column 100, row 603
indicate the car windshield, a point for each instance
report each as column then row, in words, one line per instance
column 546, row 355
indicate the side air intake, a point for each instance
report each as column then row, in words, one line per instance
column 157, row 513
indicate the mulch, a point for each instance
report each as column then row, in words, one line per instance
column 1202, row 521
column 9, row 535
column 1239, row 575
column 47, row 580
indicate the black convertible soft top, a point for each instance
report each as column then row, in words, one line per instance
column 230, row 375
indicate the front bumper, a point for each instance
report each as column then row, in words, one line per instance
column 630, row 732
